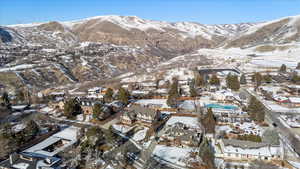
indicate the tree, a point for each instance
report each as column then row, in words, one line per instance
column 173, row 94
column 72, row 108
column 20, row 96
column 295, row 78
column 214, row 80
column 206, row 153
column 298, row 66
column 271, row 136
column 282, row 68
column 256, row 109
column 257, row 78
column 232, row 82
column 32, row 129
column 95, row 136
column 97, row 110
column 209, row 121
column 267, row 78
column 123, row 96
column 108, row 97
column 243, row 79
column 193, row 92
column 199, row 80
column 7, row 146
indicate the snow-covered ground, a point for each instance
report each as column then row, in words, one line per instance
column 174, row 155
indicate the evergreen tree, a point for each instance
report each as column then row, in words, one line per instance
column 256, row 109
column 209, row 121
column 95, row 137
column 282, row 68
column 123, row 96
column 199, row 80
column 232, row 82
column 5, row 99
column 271, row 137
column 97, row 110
column 72, row 108
column 173, row 94
column 243, row 79
column 108, row 97
column 31, row 130
column 257, row 78
column 193, row 92
column 298, row 66
column 206, row 153
column 20, row 96
column 214, row 80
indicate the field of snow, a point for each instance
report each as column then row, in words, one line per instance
column 174, row 155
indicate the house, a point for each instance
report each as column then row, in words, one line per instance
column 229, row 116
column 96, row 92
column 20, row 108
column 56, row 143
column 140, row 114
column 247, row 150
column 87, row 104
column 294, row 101
column 181, row 135
column 30, row 161
column 57, row 95
column 223, row 95
column 293, row 89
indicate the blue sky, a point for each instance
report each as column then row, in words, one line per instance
column 203, row 11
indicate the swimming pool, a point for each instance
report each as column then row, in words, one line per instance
column 219, row 106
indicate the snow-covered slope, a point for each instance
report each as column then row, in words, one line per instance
column 279, row 31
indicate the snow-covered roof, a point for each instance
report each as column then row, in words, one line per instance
column 188, row 121
column 174, row 155
column 121, row 128
column 294, row 99
column 249, row 147
column 160, row 102
column 69, row 135
column 19, row 107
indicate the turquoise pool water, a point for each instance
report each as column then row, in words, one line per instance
column 218, row 106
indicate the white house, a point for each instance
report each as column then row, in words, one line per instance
column 248, row 150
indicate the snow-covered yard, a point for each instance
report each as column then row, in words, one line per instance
column 174, row 155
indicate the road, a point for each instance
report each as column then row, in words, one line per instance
column 287, row 135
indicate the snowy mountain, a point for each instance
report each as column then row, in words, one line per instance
column 103, row 47
column 277, row 32
column 129, row 30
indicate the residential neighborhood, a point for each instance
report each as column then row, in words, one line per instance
column 220, row 122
